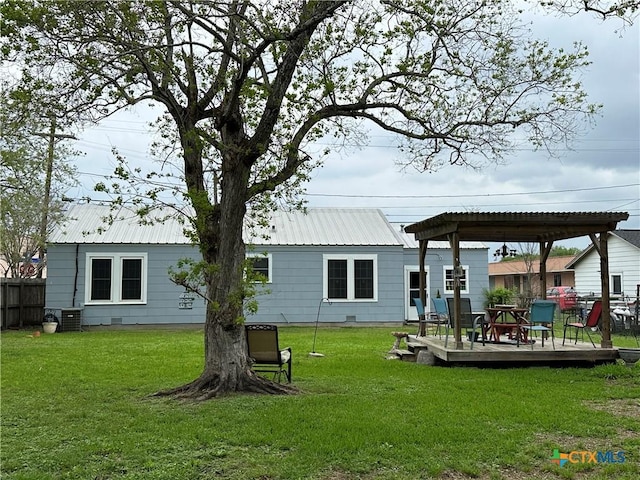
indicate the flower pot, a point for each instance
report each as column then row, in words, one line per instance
column 49, row 327
column 629, row 355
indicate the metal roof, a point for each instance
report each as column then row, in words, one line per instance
column 326, row 226
column 89, row 223
column 516, row 227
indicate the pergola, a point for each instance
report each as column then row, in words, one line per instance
column 541, row 228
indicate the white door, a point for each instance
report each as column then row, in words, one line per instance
column 412, row 290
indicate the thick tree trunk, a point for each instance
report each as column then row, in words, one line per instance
column 227, row 366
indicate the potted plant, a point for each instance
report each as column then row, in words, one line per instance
column 50, row 323
column 497, row 296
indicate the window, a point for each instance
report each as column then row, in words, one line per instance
column 116, row 278
column 337, row 279
column 557, row 279
column 261, row 264
column 363, row 278
column 101, row 279
column 449, row 278
column 616, row 284
column 131, row 279
column 351, row 277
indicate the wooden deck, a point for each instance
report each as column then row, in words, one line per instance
column 500, row 355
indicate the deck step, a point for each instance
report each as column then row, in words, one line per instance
column 406, row 355
column 416, row 347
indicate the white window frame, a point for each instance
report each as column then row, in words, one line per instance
column 465, row 268
column 612, row 275
column 116, row 278
column 350, row 258
column 269, row 258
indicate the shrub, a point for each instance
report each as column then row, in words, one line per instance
column 498, row 296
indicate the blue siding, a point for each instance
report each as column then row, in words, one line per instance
column 162, row 295
column 293, row 296
column 296, row 290
column 436, row 259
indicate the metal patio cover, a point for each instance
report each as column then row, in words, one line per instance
column 515, row 227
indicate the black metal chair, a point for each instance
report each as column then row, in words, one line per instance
column 468, row 320
column 265, row 352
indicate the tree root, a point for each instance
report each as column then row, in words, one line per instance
column 207, row 387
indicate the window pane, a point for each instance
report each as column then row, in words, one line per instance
column 101, row 279
column 261, row 266
column 448, row 281
column 616, row 284
column 414, row 287
column 337, row 278
column 132, row 279
column 363, row 278
column 463, row 280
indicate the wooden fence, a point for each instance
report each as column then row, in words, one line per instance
column 22, row 302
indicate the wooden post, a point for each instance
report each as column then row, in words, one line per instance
column 454, row 241
column 601, row 245
column 604, row 280
column 545, row 250
column 52, row 136
column 422, row 324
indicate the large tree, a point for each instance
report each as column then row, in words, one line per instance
column 248, row 86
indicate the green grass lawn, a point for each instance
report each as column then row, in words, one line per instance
column 77, row 406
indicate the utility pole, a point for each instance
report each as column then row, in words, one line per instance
column 44, row 220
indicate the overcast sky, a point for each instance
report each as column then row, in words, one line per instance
column 602, row 173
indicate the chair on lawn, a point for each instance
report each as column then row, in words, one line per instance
column 468, row 320
column 592, row 322
column 541, row 319
column 265, row 352
column 425, row 319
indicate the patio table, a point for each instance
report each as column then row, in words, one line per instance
column 507, row 319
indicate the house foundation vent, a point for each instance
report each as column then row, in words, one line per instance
column 351, row 318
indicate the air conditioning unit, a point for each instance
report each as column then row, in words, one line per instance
column 71, row 320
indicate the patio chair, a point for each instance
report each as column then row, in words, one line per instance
column 541, row 319
column 468, row 320
column 423, row 318
column 441, row 311
column 593, row 318
column 265, row 352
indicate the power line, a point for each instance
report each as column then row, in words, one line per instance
column 542, row 192
column 409, row 207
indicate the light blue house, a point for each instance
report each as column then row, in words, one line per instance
column 341, row 265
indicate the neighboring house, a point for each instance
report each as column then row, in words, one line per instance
column 624, row 266
column 524, row 277
column 353, row 258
